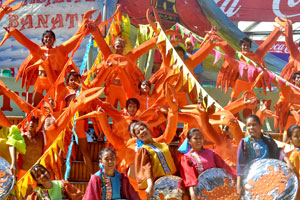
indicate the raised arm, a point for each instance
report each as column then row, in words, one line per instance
column 171, row 128
column 102, row 45
column 21, row 103
column 268, row 43
column 22, row 39
column 200, row 55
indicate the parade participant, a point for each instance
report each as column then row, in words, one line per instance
column 153, row 159
column 293, row 133
column 108, row 183
column 254, row 146
column 44, row 64
column 48, row 189
column 72, row 81
column 294, row 59
column 242, row 79
column 35, row 142
column 197, row 160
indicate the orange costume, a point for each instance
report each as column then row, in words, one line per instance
column 42, row 67
column 229, row 75
column 128, row 61
column 294, row 59
column 6, row 9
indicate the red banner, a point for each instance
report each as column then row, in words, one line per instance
column 260, row 10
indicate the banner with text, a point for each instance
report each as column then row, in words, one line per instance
column 36, row 16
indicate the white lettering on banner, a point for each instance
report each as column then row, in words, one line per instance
column 232, row 10
column 277, row 11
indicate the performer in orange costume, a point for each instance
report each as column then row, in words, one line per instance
column 42, row 67
column 229, row 75
column 294, row 59
column 113, row 82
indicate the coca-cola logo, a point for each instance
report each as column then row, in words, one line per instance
column 280, row 8
column 229, row 9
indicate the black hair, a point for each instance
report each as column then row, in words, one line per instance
column 245, row 39
column 291, row 129
column 105, row 150
column 135, row 123
column 255, row 117
column 133, row 101
column 295, row 74
column 33, row 118
column 146, row 82
column 72, row 73
column 191, row 131
column 45, row 32
column 33, row 170
column 179, row 48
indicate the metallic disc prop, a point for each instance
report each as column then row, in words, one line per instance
column 167, row 187
column 215, row 183
column 7, row 181
column 269, row 179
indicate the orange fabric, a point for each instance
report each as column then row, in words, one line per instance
column 80, row 128
column 116, row 93
column 41, row 84
column 4, row 121
column 52, row 64
column 20, row 173
column 142, row 193
column 290, row 121
column 239, row 87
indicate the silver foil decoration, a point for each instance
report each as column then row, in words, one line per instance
column 168, row 186
column 211, row 179
column 7, row 181
column 269, row 179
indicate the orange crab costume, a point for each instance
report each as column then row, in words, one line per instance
column 42, row 67
column 241, row 77
column 294, row 59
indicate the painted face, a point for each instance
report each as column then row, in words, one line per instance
column 245, row 47
column 296, row 137
column 108, row 161
column 41, row 175
column 48, row 40
column 196, row 141
column 72, row 82
column 119, row 46
column 145, row 89
column 253, row 128
column 142, row 133
column 297, row 80
column 132, row 109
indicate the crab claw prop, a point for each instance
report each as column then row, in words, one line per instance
column 86, row 17
column 6, row 36
column 4, row 121
column 7, row 9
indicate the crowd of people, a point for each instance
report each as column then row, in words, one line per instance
column 145, row 114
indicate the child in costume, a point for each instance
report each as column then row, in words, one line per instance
column 48, row 189
column 197, row 160
column 256, row 146
column 108, row 183
column 152, row 161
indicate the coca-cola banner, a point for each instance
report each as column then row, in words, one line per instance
column 258, row 10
